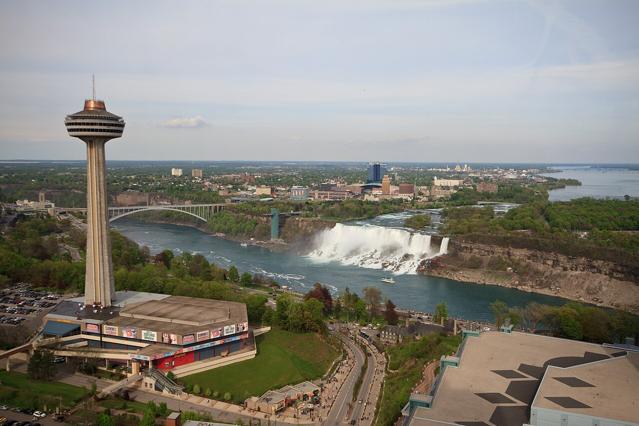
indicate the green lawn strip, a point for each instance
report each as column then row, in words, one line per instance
column 17, row 389
column 409, row 359
column 120, row 404
column 283, row 358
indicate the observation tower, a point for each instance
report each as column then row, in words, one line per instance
column 96, row 126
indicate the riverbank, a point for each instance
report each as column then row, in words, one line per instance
column 575, row 278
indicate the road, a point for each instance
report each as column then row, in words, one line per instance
column 340, row 409
column 365, row 389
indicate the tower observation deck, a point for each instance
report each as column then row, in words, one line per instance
column 96, row 126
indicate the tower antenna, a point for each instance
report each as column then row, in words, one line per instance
column 93, row 79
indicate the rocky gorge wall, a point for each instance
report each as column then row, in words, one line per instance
column 598, row 282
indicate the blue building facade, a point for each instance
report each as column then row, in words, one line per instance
column 376, row 172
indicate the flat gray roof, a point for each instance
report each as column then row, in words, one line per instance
column 498, row 376
column 607, row 388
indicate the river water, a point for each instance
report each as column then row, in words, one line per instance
column 596, row 182
column 348, row 257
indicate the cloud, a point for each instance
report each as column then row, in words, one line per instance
column 185, row 122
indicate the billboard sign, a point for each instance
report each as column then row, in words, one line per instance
column 129, row 332
column 216, row 333
column 174, row 339
column 165, row 338
column 229, row 329
column 189, row 338
column 110, row 330
column 243, row 326
column 93, row 328
column 149, row 335
column 202, row 335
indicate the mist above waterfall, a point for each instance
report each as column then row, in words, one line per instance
column 376, row 247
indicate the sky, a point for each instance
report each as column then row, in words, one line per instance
column 388, row 80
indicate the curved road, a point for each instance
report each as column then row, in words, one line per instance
column 339, row 413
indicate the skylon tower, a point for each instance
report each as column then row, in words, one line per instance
column 96, row 126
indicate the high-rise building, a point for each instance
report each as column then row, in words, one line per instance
column 386, row 185
column 376, row 172
column 196, row 173
column 96, row 126
column 176, row 172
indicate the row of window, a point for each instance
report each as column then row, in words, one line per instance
column 74, row 130
column 84, row 123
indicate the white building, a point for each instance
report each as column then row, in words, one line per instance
column 176, row 172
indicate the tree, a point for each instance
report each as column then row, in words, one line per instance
column 234, row 274
column 441, row 313
column 533, row 314
column 390, row 315
column 207, row 392
column 105, row 420
column 567, row 324
column 247, row 279
column 41, row 365
column 373, row 298
column 148, row 419
column 500, row 312
column 323, row 294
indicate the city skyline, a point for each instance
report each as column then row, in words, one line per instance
column 460, row 81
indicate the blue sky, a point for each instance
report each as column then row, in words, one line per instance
column 396, row 80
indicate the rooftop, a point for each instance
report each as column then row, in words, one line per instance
column 180, row 315
column 606, row 388
column 498, row 376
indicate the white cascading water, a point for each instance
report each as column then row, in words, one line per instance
column 443, row 248
column 375, row 247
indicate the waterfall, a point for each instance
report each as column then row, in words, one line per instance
column 443, row 248
column 375, row 247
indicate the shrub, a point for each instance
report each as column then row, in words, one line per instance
column 228, row 396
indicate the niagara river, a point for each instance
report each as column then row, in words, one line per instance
column 356, row 256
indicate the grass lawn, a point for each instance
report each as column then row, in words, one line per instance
column 17, row 389
column 120, row 404
column 282, row 358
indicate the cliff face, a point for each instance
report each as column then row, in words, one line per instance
column 299, row 231
column 578, row 278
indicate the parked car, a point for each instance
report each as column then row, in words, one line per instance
column 40, row 414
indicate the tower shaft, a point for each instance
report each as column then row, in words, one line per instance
column 98, row 284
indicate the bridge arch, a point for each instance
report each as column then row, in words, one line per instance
column 151, row 208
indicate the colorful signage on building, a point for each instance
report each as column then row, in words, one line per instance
column 243, row 326
column 202, row 335
column 190, row 348
column 174, row 339
column 149, row 335
column 129, row 332
column 165, row 338
column 189, row 338
column 216, row 333
column 229, row 329
column 93, row 328
column 110, row 330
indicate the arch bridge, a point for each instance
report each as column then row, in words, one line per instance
column 202, row 212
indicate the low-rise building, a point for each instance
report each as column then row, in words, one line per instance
column 274, row 401
column 263, row 190
column 450, row 183
column 406, row 189
column 515, row 378
column 490, row 187
column 330, row 195
column 392, row 334
column 299, row 193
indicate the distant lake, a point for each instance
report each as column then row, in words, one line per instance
column 596, row 182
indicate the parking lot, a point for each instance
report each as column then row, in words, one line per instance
column 21, row 302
